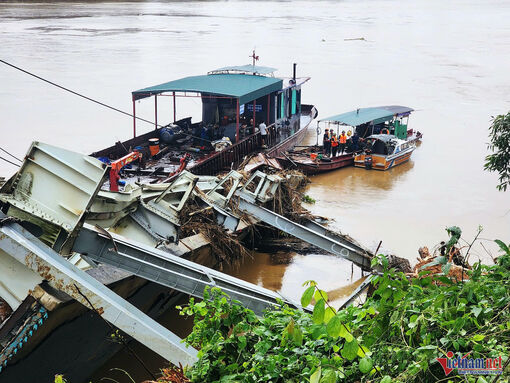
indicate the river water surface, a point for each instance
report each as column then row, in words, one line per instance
column 449, row 60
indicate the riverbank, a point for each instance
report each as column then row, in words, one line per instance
column 411, row 328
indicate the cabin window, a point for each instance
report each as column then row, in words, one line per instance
column 294, row 100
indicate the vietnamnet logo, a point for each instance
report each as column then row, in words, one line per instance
column 470, row 366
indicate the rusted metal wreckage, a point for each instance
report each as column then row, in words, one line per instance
column 64, row 237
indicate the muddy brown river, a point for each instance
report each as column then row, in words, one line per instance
column 448, row 60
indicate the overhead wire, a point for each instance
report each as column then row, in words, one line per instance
column 88, row 98
column 12, row 155
column 12, row 163
column 76, row 93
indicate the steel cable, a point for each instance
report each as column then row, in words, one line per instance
column 89, row 98
column 12, row 163
column 75, row 93
column 12, row 155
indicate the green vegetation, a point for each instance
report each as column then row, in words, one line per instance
column 499, row 161
column 396, row 335
column 307, row 199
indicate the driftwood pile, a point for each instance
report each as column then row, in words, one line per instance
column 171, row 375
column 226, row 247
column 457, row 269
column 289, row 196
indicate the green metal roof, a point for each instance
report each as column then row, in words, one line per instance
column 364, row 115
column 246, row 68
column 245, row 87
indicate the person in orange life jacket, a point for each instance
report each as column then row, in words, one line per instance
column 326, row 142
column 334, row 145
column 385, row 131
column 343, row 141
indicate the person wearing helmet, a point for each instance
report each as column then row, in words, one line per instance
column 334, row 145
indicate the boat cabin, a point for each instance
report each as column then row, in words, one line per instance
column 384, row 151
column 385, row 144
column 235, row 100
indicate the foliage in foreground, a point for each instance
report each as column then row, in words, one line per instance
column 499, row 160
column 395, row 336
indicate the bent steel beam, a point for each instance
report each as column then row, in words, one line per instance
column 50, row 171
column 62, row 275
column 311, row 234
column 318, row 228
column 169, row 270
column 264, row 186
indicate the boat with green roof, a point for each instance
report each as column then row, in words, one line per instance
column 363, row 127
column 236, row 100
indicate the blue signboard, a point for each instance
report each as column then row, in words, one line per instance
column 258, row 107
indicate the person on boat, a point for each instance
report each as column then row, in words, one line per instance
column 204, row 135
column 343, row 141
column 385, row 131
column 326, row 142
column 263, row 133
column 334, row 145
column 355, row 142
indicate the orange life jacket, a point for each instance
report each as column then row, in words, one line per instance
column 343, row 138
column 334, row 142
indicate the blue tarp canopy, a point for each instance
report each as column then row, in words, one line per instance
column 375, row 115
column 242, row 86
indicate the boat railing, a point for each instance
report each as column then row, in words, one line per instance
column 235, row 153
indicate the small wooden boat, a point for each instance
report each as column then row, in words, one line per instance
column 383, row 152
column 310, row 160
column 359, row 125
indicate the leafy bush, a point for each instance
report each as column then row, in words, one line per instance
column 396, row 335
column 499, row 160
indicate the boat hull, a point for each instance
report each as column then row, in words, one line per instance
column 318, row 166
column 381, row 162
